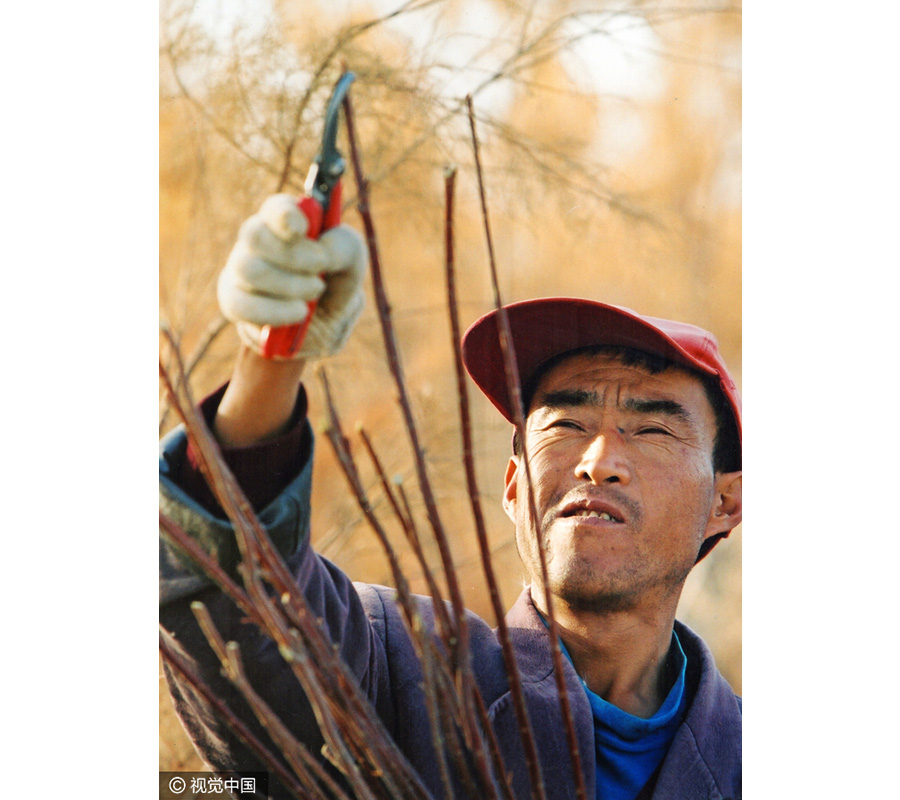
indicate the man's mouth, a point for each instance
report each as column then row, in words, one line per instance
column 592, row 510
column 595, row 515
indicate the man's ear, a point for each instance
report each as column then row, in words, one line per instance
column 510, row 487
column 727, row 509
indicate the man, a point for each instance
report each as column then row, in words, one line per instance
column 632, row 438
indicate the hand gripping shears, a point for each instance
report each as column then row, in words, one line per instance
column 321, row 205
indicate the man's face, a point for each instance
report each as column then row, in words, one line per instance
column 624, row 486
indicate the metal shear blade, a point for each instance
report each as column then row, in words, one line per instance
column 329, row 164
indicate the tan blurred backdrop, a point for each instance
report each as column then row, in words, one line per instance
column 612, row 153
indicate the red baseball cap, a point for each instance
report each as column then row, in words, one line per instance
column 547, row 327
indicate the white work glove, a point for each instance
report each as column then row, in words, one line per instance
column 274, row 271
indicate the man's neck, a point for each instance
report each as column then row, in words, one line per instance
column 622, row 656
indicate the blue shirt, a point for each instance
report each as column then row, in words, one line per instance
column 629, row 748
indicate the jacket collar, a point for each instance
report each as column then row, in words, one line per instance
column 704, row 760
column 531, row 644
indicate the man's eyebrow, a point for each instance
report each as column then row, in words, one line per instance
column 566, row 398
column 575, row 398
column 668, row 407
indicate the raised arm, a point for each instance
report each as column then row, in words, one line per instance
column 271, row 279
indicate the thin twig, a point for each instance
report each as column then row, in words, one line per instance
column 445, row 624
column 396, row 369
column 512, row 669
column 212, row 332
column 341, row 448
column 461, row 654
column 514, row 388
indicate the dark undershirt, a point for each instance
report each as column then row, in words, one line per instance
column 262, row 470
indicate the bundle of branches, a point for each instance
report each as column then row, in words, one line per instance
column 356, row 741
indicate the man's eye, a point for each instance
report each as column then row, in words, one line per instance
column 651, row 429
column 565, row 423
column 654, row 431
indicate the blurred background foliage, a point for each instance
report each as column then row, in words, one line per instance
column 610, row 135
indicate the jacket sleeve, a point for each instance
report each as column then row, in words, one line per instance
column 329, row 592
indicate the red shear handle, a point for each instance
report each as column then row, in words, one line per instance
column 285, row 341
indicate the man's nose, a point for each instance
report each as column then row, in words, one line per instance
column 603, row 460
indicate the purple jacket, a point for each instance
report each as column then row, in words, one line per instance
column 704, row 760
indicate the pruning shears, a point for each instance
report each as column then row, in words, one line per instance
column 321, row 204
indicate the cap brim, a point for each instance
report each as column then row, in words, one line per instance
column 545, row 328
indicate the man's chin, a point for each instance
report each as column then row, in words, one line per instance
column 599, row 602
column 591, row 593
